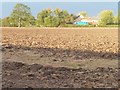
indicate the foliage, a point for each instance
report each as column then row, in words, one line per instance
column 54, row 18
column 0, row 22
column 83, row 13
column 106, row 17
column 73, row 25
column 8, row 22
column 22, row 15
column 115, row 19
column 108, row 26
column 55, row 22
column 48, row 21
column 41, row 17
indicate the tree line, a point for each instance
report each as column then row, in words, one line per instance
column 21, row 17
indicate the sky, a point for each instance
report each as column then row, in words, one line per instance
column 93, row 8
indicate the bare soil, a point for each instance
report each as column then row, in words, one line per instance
column 72, row 58
column 20, row 75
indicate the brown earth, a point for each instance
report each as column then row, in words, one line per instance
column 86, row 57
column 19, row 75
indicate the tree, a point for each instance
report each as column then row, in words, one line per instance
column 115, row 19
column 55, row 22
column 0, row 22
column 119, row 14
column 54, row 18
column 29, row 22
column 48, row 21
column 42, row 15
column 57, row 12
column 84, row 13
column 40, row 20
column 8, row 22
column 21, row 13
column 69, row 18
column 64, row 16
column 106, row 17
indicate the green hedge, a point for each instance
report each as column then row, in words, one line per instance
column 108, row 26
column 73, row 25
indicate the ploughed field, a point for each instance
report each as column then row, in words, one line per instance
column 60, row 57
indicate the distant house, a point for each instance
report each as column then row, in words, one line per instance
column 86, row 20
column 81, row 23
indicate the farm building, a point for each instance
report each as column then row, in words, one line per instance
column 86, row 20
column 81, row 23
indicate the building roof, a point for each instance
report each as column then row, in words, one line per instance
column 86, row 18
column 90, row 20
